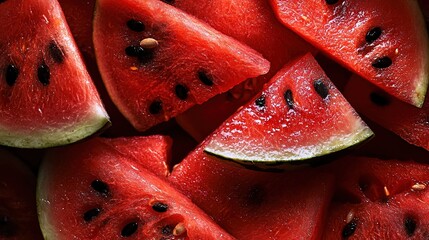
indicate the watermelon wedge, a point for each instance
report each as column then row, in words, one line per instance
column 47, row 97
column 385, row 42
column 159, row 61
column 299, row 115
column 409, row 122
column 92, row 191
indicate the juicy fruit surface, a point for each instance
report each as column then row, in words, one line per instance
column 299, row 115
column 383, row 41
column 378, row 199
column 18, row 215
column 47, row 96
column 189, row 63
column 110, row 196
column 251, row 204
column 409, row 122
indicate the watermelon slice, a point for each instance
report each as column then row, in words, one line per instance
column 18, row 215
column 385, row 42
column 378, row 199
column 92, row 191
column 299, row 115
column 159, row 61
column 409, row 122
column 47, row 97
column 252, row 204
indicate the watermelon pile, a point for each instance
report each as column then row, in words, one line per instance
column 226, row 119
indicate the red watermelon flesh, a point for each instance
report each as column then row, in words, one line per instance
column 376, row 199
column 184, row 62
column 91, row 191
column 255, row 205
column 385, row 42
column 47, row 96
column 18, row 215
column 253, row 23
column 409, row 122
column 299, row 115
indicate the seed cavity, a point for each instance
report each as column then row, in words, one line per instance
column 383, row 62
column 135, row 25
column 167, row 230
column 133, row 51
column 379, row 99
column 12, row 73
column 321, row 88
column 91, row 214
column 256, row 195
column 260, row 102
column 205, row 78
column 6, row 227
column 181, row 91
column 331, row 2
column 100, row 187
column 56, row 52
column 373, row 34
column 410, row 226
column 129, row 229
column 349, row 229
column 149, row 43
column 168, row 1
column 155, row 107
column 44, row 74
column 143, row 55
column 289, row 99
column 159, row 207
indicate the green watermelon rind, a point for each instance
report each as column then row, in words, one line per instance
column 93, row 123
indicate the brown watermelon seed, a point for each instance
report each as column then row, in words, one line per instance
column 373, row 34
column 12, row 73
column 331, row 2
column 289, row 99
column 418, row 187
column 135, row 25
column 100, row 187
column 155, row 107
column 91, row 214
column 179, row 229
column 44, row 74
column 260, row 102
column 383, row 62
column 181, row 91
column 129, row 229
column 149, row 43
column 56, row 52
column 349, row 229
column 386, row 191
column 321, row 88
column 379, row 99
column 410, row 226
column 159, row 207
column 205, row 78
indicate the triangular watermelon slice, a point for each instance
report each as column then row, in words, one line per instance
column 299, row 115
column 47, row 97
column 157, row 61
column 385, row 42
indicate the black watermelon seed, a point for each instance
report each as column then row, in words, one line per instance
column 349, row 229
column 168, row 1
column 383, row 62
column 181, row 91
column 321, row 88
column 6, row 227
column 373, row 34
column 256, row 195
column 2, row 1
column 135, row 25
column 155, row 107
column 160, row 207
column 44, row 74
column 56, row 52
column 260, row 102
column 100, row 187
column 289, row 99
column 205, row 78
column 167, row 230
column 12, row 73
column 331, row 2
column 91, row 214
column 379, row 99
column 129, row 229
column 134, row 51
column 410, row 226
